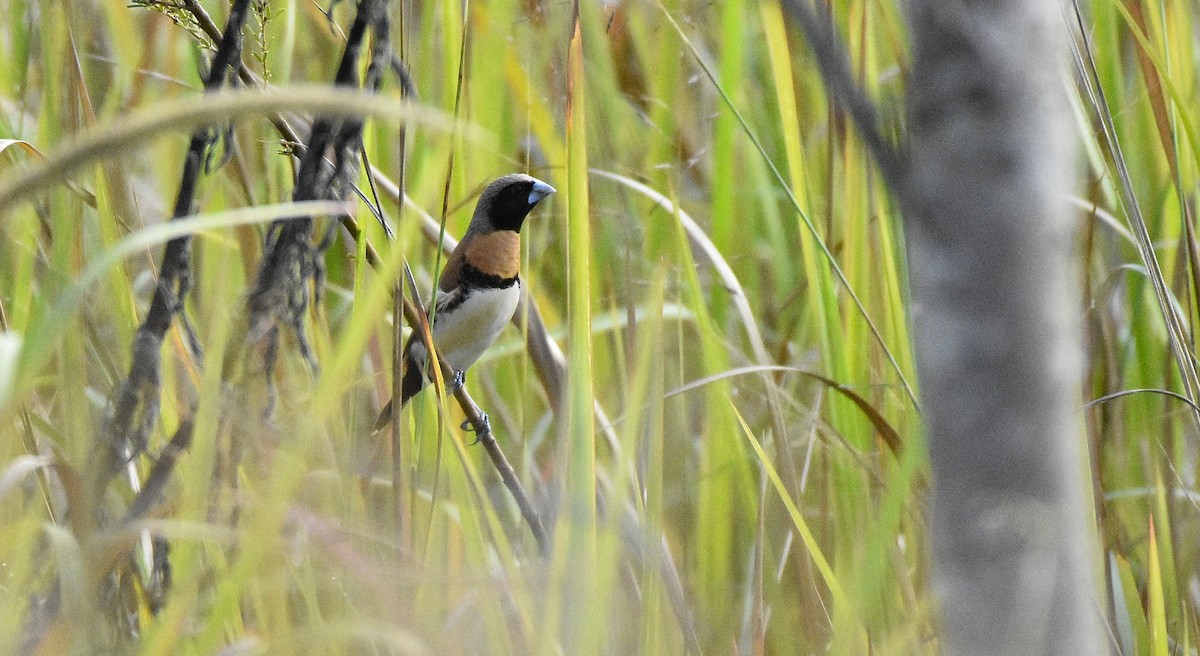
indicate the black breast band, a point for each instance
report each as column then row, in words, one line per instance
column 469, row 277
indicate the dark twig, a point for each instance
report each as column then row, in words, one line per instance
column 834, row 63
column 136, row 405
column 159, row 577
column 402, row 74
column 156, row 482
column 380, row 52
column 291, row 261
column 485, row 437
column 247, row 76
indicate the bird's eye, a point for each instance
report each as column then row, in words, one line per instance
column 518, row 194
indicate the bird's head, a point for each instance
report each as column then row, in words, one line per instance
column 507, row 201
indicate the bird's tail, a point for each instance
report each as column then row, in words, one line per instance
column 413, row 382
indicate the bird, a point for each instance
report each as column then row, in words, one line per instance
column 479, row 286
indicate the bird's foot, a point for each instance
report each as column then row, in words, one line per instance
column 485, row 429
column 458, row 381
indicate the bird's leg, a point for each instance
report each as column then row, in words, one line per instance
column 487, row 427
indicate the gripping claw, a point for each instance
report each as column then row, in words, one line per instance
column 458, row 381
column 487, row 428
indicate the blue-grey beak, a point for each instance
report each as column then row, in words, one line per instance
column 540, row 190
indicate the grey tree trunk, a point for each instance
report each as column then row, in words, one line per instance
column 998, row 348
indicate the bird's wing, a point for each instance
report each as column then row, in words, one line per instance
column 453, row 269
column 448, row 300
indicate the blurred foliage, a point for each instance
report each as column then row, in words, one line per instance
column 705, row 179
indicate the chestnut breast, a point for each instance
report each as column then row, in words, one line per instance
column 496, row 253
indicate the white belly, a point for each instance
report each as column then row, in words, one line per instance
column 465, row 332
